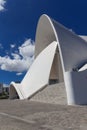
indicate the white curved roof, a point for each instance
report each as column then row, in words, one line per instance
column 71, row 52
column 69, row 44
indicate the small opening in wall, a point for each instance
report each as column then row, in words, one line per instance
column 53, row 81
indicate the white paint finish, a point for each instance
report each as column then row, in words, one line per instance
column 38, row 75
column 72, row 54
column 46, row 34
column 76, row 87
column 84, row 37
column 69, row 44
column 16, row 88
column 70, row 47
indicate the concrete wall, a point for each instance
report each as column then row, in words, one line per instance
column 71, row 55
column 76, row 87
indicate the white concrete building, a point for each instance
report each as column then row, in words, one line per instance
column 60, row 55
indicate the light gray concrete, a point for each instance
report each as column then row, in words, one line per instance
column 30, row 115
column 57, row 57
column 70, row 46
column 55, row 94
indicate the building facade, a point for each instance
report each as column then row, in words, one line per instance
column 60, row 55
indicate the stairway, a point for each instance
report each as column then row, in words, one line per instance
column 54, row 94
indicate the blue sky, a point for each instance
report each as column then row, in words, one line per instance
column 18, row 21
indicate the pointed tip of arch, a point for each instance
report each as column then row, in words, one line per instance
column 45, row 33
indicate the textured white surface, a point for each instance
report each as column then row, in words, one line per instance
column 84, row 37
column 38, row 75
column 54, row 94
column 72, row 53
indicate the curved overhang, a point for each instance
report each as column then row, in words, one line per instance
column 45, row 34
column 70, row 45
column 56, row 49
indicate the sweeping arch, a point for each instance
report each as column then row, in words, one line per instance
column 45, row 34
column 65, row 62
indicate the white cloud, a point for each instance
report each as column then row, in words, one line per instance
column 18, row 74
column 20, row 61
column 12, row 45
column 2, row 4
column 27, row 49
column 16, row 56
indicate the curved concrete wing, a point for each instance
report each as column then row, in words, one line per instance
column 38, row 75
column 16, row 91
column 70, row 56
column 70, row 46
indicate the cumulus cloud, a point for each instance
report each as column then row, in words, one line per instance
column 15, row 56
column 27, row 49
column 2, row 4
column 20, row 61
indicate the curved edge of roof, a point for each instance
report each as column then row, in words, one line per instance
column 46, row 34
column 17, row 90
column 42, row 33
column 51, row 23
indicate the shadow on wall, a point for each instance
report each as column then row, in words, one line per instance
column 57, row 58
